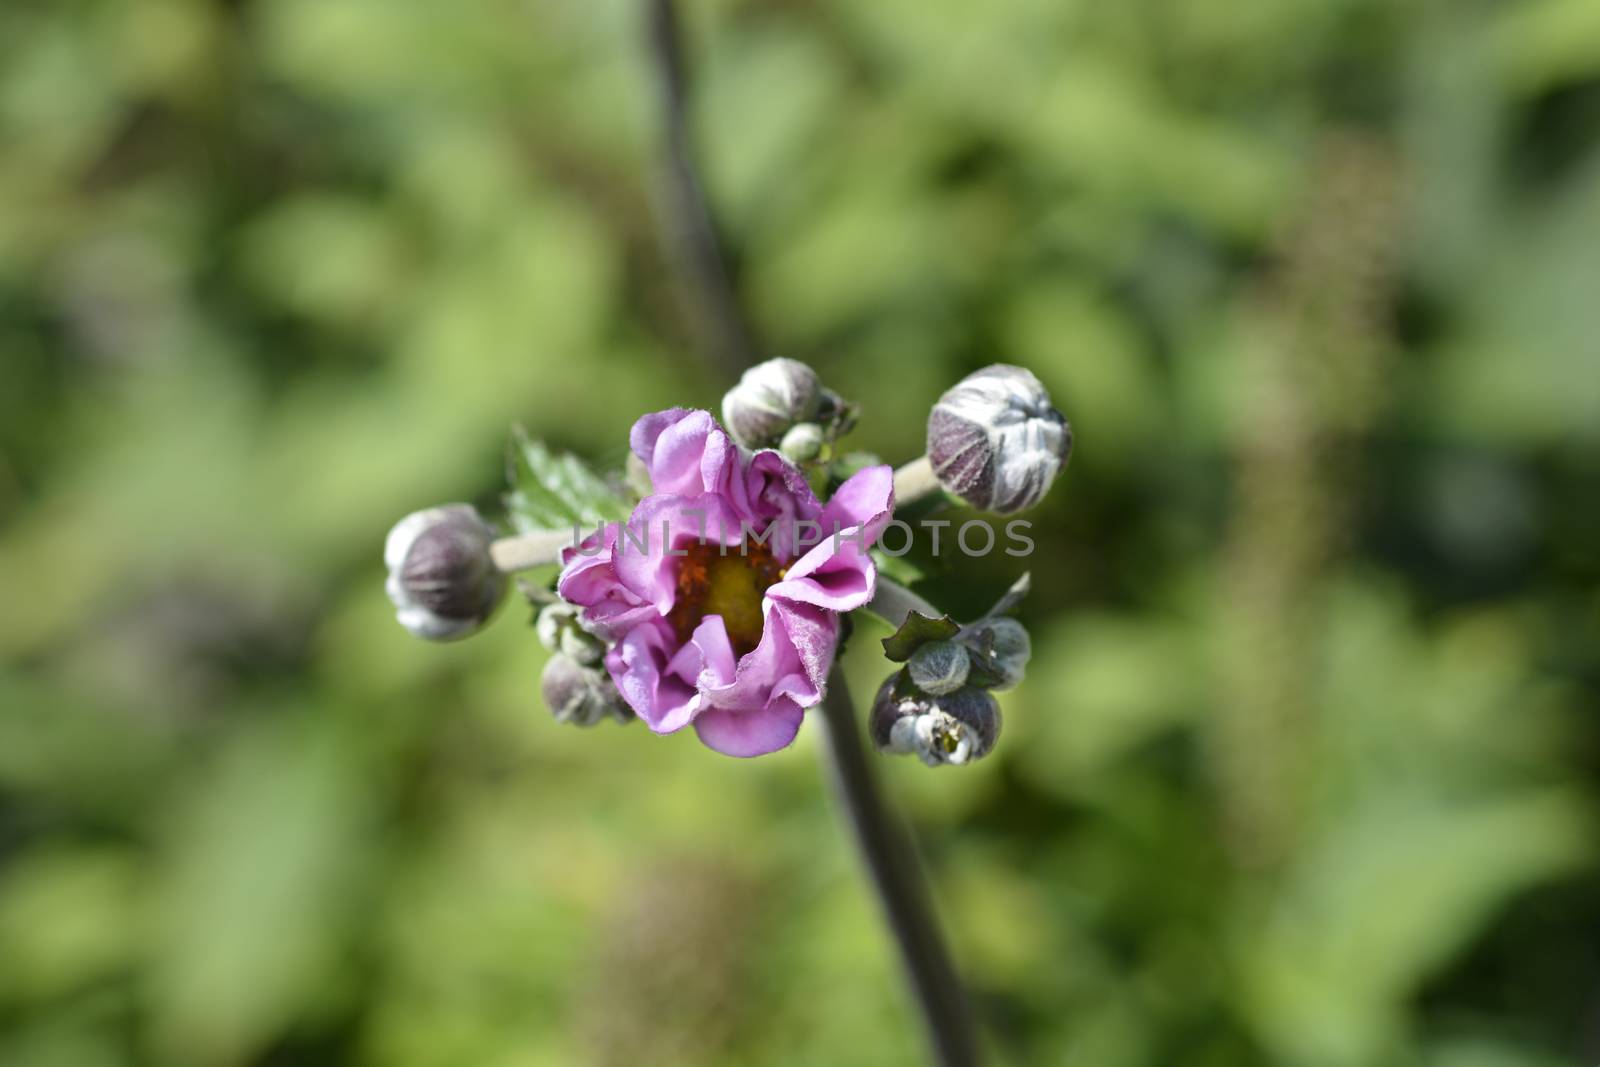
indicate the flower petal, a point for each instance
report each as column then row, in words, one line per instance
column 814, row 636
column 777, row 499
column 750, row 733
column 590, row 581
column 792, row 659
column 718, row 661
column 865, row 499
column 650, row 545
column 685, row 451
column 638, row 664
column 838, row 574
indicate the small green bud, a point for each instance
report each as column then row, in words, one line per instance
column 803, row 443
column 1002, row 646
column 939, row 667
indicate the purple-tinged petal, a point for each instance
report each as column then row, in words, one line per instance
column 837, row 575
column 665, row 524
column 718, row 661
column 591, row 582
column 865, row 499
column 778, row 497
column 586, row 574
column 685, row 452
column 638, row 664
column 814, row 636
column 792, row 659
column 750, row 733
column 610, row 619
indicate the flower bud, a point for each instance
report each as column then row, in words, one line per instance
column 803, row 443
column 955, row 728
column 836, row 415
column 580, row 695
column 442, row 581
column 995, row 441
column 559, row 631
column 769, row 399
column 1002, row 645
column 939, row 667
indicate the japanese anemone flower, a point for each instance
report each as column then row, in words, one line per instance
column 721, row 594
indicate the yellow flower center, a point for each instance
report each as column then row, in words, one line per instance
column 713, row 580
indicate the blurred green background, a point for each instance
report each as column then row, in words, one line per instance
column 1305, row 769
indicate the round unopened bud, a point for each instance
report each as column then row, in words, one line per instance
column 442, row 581
column 939, row 667
column 1003, row 645
column 559, row 631
column 580, row 695
column 770, row 398
column 803, row 443
column 995, row 441
column 552, row 619
column 955, row 728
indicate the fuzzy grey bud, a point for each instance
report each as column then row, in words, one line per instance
column 939, row 667
column 559, row 631
column 995, row 441
column 803, row 443
column 769, row 399
column 955, row 728
column 1003, row 646
column 580, row 695
column 552, row 619
column 442, row 581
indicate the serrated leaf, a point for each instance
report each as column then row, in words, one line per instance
column 551, row 491
column 916, row 631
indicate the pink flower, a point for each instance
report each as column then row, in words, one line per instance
column 723, row 590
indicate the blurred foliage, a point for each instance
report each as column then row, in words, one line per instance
column 1305, row 770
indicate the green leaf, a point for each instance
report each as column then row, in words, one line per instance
column 916, row 631
column 551, row 491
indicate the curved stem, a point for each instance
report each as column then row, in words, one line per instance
column 885, row 845
column 892, row 602
column 915, row 481
column 685, row 214
column 528, row 550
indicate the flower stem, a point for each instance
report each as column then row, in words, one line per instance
column 524, row 551
column 915, row 481
column 892, row 602
column 685, row 215
column 885, row 845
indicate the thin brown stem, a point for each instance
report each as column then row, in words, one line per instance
column 686, row 220
column 886, row 847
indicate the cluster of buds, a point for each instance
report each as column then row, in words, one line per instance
column 994, row 441
column 782, row 404
column 940, row 706
column 575, row 685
